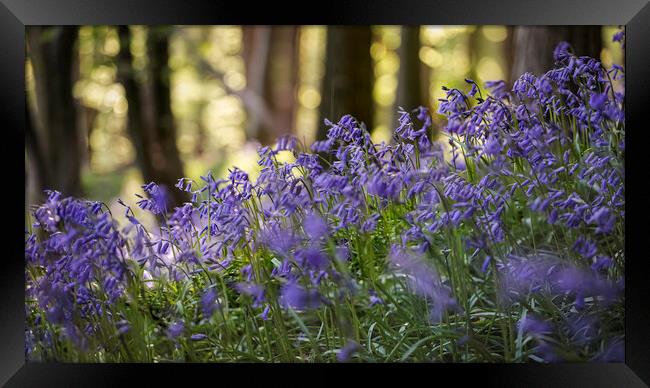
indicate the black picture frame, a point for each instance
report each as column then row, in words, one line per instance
column 634, row 14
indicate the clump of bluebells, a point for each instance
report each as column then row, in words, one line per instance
column 503, row 242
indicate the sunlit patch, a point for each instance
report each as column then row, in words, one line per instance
column 488, row 69
column 309, row 97
column 381, row 134
column 495, row 33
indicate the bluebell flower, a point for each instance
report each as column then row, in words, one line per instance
column 209, row 303
column 315, row 227
column 252, row 289
column 604, row 219
column 295, row 296
column 123, row 326
column 597, row 101
column 312, row 258
column 265, row 314
column 614, row 351
column 175, row 329
column 423, row 281
column 534, row 326
column 347, row 351
column 157, row 201
column 620, row 37
column 374, row 299
column 497, row 89
column 585, row 247
column 198, row 337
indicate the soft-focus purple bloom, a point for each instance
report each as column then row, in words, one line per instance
column 265, row 314
column 498, row 89
column 312, row 258
column 492, row 146
column 286, row 143
column 614, row 351
column 597, row 100
column 295, row 296
column 585, row 247
column 209, row 302
column 601, row 263
column 459, row 164
column 347, row 351
column 75, row 335
column 604, row 219
column 175, row 329
column 123, row 326
column 548, row 274
column 581, row 328
column 280, row 240
column 158, row 198
column 547, row 352
column 374, row 299
column 370, row 224
column 620, row 37
column 314, row 226
column 198, row 337
column 486, row 263
column 561, row 51
column 423, row 281
column 252, row 289
column 534, row 326
column 342, row 253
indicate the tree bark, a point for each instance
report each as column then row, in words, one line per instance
column 256, row 44
column 51, row 50
column 270, row 54
column 135, row 126
column 36, row 171
column 474, row 41
column 347, row 85
column 533, row 46
column 280, row 83
column 409, row 89
column 509, row 50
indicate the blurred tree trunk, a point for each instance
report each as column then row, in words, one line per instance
column 202, row 135
column 54, row 146
column 347, row 85
column 271, row 58
column 409, row 89
column 135, row 125
column 85, row 121
column 280, row 82
column 509, row 52
column 533, row 46
column 37, row 178
column 256, row 44
column 150, row 119
column 475, row 44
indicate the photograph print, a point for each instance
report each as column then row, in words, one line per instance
column 325, row 194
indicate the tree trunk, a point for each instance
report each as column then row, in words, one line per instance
column 475, row 43
column 135, row 126
column 409, row 89
column 509, row 51
column 347, row 85
column 256, row 44
column 280, row 83
column 37, row 179
column 533, row 46
column 150, row 120
column 51, row 50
